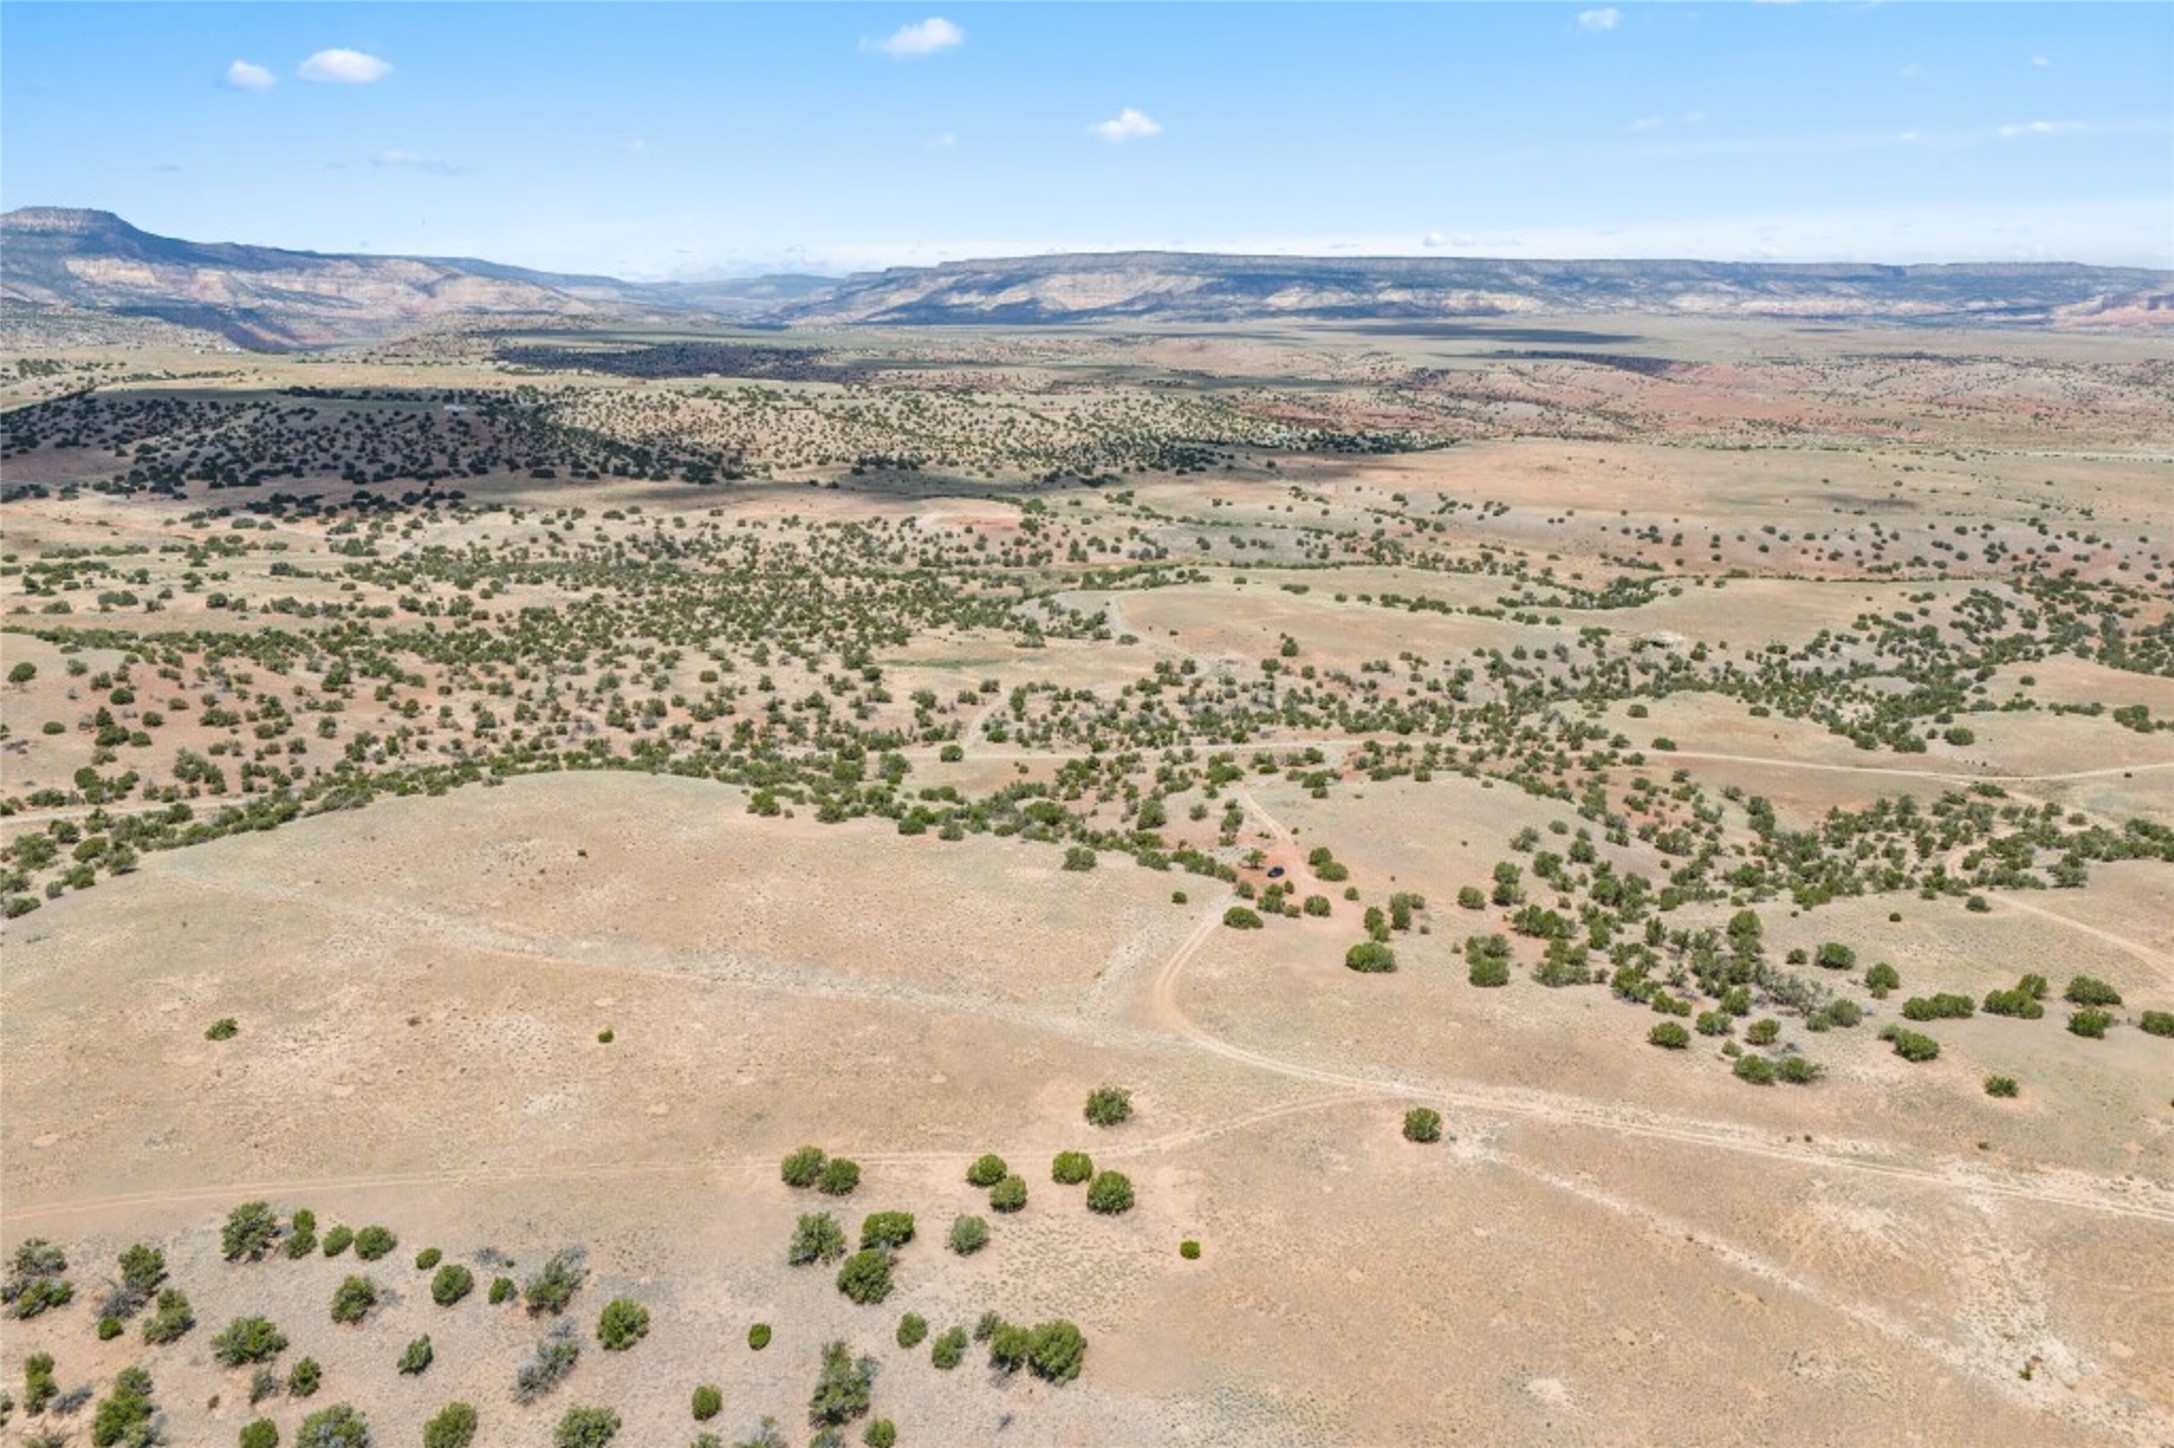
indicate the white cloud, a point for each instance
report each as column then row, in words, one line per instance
column 637, row 146
column 343, row 67
column 1597, row 22
column 243, row 75
column 1647, row 123
column 417, row 161
column 1911, row 71
column 2040, row 128
column 1127, row 125
column 926, row 38
column 948, row 141
column 2040, row 61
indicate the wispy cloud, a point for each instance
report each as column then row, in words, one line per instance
column 2040, row 128
column 1127, row 125
column 926, row 38
column 636, row 146
column 1599, row 22
column 2041, row 61
column 417, row 161
column 343, row 67
column 246, row 75
column 948, row 141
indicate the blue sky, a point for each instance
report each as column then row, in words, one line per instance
column 659, row 140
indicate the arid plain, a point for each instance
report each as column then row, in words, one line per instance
column 585, row 766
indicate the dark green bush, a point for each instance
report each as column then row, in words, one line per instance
column 2156, row 1023
column 453, row 1427
column 372, row 1243
column 304, row 1377
column 2000, row 1086
column 338, row 1240
column 817, row 1237
column 250, row 1230
column 865, row 1277
column 987, row 1171
column 1911, row 1046
column 842, row 1388
column 1009, row 1195
column 1670, row 1035
column 338, row 1426
column 263, row 1433
column 170, row 1318
column 1238, row 917
column 758, row 1336
column 554, row 1287
column 428, row 1258
column 503, row 1291
column 2086, row 990
column 1370, row 957
column 248, row 1340
column 708, row 1403
column 1110, row 1193
column 417, row 1356
column 1422, row 1124
column 839, row 1177
column 1758, row 1070
column 1108, row 1106
column 451, row 1284
column 585, row 1428
column 886, row 1229
column 623, row 1323
column 803, row 1168
column 2091, row 1023
column 353, row 1299
column 911, row 1329
column 969, row 1235
column 1189, row 1250
column 1799, row 1071
column 949, row 1349
column 1070, row 1168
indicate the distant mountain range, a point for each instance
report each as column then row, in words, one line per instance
column 58, row 264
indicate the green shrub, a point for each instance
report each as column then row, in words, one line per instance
column 143, row 1268
column 842, row 1388
column 428, row 1258
column 417, row 1356
column 110, row 1327
column 1758, row 1070
column 127, row 1415
column 839, row 1177
column 1238, row 917
column 338, row 1426
column 353, row 1299
column 338, row 1240
column 888, row 1230
column 304, row 1378
column 803, row 1168
column 1189, row 1250
column 987, row 1171
column 758, row 1336
column 585, row 1428
column 1070, row 1168
column 302, row 1234
column 451, row 1284
column 1842, row 1012
column 556, row 1353
column 911, row 1329
column 2091, row 1023
column 1881, row 979
column 39, row 1385
column 865, row 1277
column 969, row 1235
column 1911, row 1046
column 503, row 1291
column 1944, row 1006
column 453, row 1427
column 708, row 1403
column 1834, row 955
column 554, row 1287
column 250, row 1230
column 1669, row 1035
column 817, row 1237
column 2085, row 990
column 1055, row 1351
column 1108, row 1106
column 949, row 1349
column 1110, row 1193
column 1422, row 1124
column 170, row 1318
column 248, row 1340
column 1799, row 1071
column 2020, row 1004
column 2156, row 1023
column 1370, row 957
column 223, row 1029
column 623, row 1323
column 372, row 1243
column 2000, row 1086
column 882, row 1433
column 263, row 1433
column 1079, row 857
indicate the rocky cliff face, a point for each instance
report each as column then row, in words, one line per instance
column 60, row 262
column 260, row 296
column 1161, row 286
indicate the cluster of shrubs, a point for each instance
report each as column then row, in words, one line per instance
column 832, row 1176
